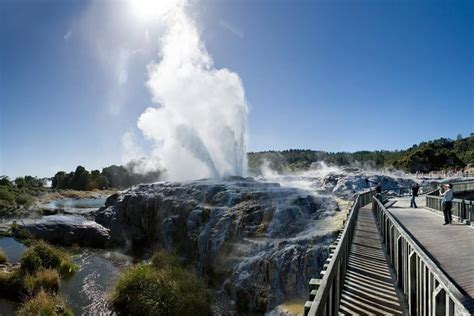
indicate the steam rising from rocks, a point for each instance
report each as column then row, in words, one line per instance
column 198, row 126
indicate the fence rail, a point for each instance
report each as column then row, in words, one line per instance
column 462, row 209
column 325, row 293
column 463, row 186
column 402, row 191
column 427, row 289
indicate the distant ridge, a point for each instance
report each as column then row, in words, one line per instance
column 435, row 155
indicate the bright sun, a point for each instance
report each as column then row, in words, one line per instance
column 148, row 10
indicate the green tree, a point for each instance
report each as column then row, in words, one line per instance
column 81, row 179
column 5, row 180
column 60, row 180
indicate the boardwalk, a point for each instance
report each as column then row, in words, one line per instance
column 369, row 285
column 382, row 253
column 451, row 247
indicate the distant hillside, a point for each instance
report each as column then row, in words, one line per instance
column 435, row 155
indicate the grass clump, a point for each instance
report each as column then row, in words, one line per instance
column 46, row 279
column 44, row 303
column 162, row 288
column 36, row 282
column 44, row 256
column 3, row 256
column 41, row 268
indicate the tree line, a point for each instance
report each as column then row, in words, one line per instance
column 118, row 177
column 435, row 155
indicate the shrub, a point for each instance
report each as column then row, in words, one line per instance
column 6, row 195
column 46, row 279
column 24, row 199
column 42, row 255
column 3, row 256
column 44, row 303
column 165, row 259
column 143, row 289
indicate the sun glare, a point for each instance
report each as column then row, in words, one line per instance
column 150, row 10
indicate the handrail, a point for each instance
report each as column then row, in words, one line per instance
column 325, row 293
column 407, row 190
column 462, row 209
column 426, row 287
column 463, row 185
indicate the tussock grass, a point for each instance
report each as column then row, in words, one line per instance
column 47, row 280
column 162, row 288
column 36, row 281
column 44, row 303
column 44, row 256
column 3, row 256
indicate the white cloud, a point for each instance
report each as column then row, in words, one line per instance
column 231, row 28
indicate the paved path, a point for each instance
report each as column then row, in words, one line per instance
column 369, row 285
column 451, row 246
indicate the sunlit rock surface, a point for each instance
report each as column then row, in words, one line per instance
column 68, row 230
column 259, row 242
column 347, row 185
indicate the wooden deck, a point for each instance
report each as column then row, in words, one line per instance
column 369, row 285
column 451, row 247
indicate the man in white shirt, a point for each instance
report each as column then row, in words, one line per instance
column 448, row 197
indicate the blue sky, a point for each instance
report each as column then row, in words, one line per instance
column 326, row 75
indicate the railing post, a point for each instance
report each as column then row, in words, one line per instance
column 439, row 301
column 412, row 283
column 399, row 262
column 470, row 215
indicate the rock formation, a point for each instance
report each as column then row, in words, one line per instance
column 260, row 241
column 68, row 230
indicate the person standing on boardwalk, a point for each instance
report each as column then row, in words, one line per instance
column 414, row 193
column 448, row 196
column 378, row 189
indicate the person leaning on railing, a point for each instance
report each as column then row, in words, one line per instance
column 446, row 191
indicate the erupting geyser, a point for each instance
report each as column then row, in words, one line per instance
column 198, row 126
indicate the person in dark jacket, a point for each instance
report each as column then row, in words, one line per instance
column 378, row 189
column 414, row 193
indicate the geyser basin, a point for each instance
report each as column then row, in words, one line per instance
column 260, row 240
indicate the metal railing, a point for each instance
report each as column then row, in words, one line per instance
column 325, row 293
column 402, row 191
column 463, row 186
column 462, row 209
column 427, row 289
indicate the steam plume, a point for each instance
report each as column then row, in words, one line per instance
column 198, row 126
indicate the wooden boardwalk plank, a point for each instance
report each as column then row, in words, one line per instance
column 369, row 286
column 450, row 246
